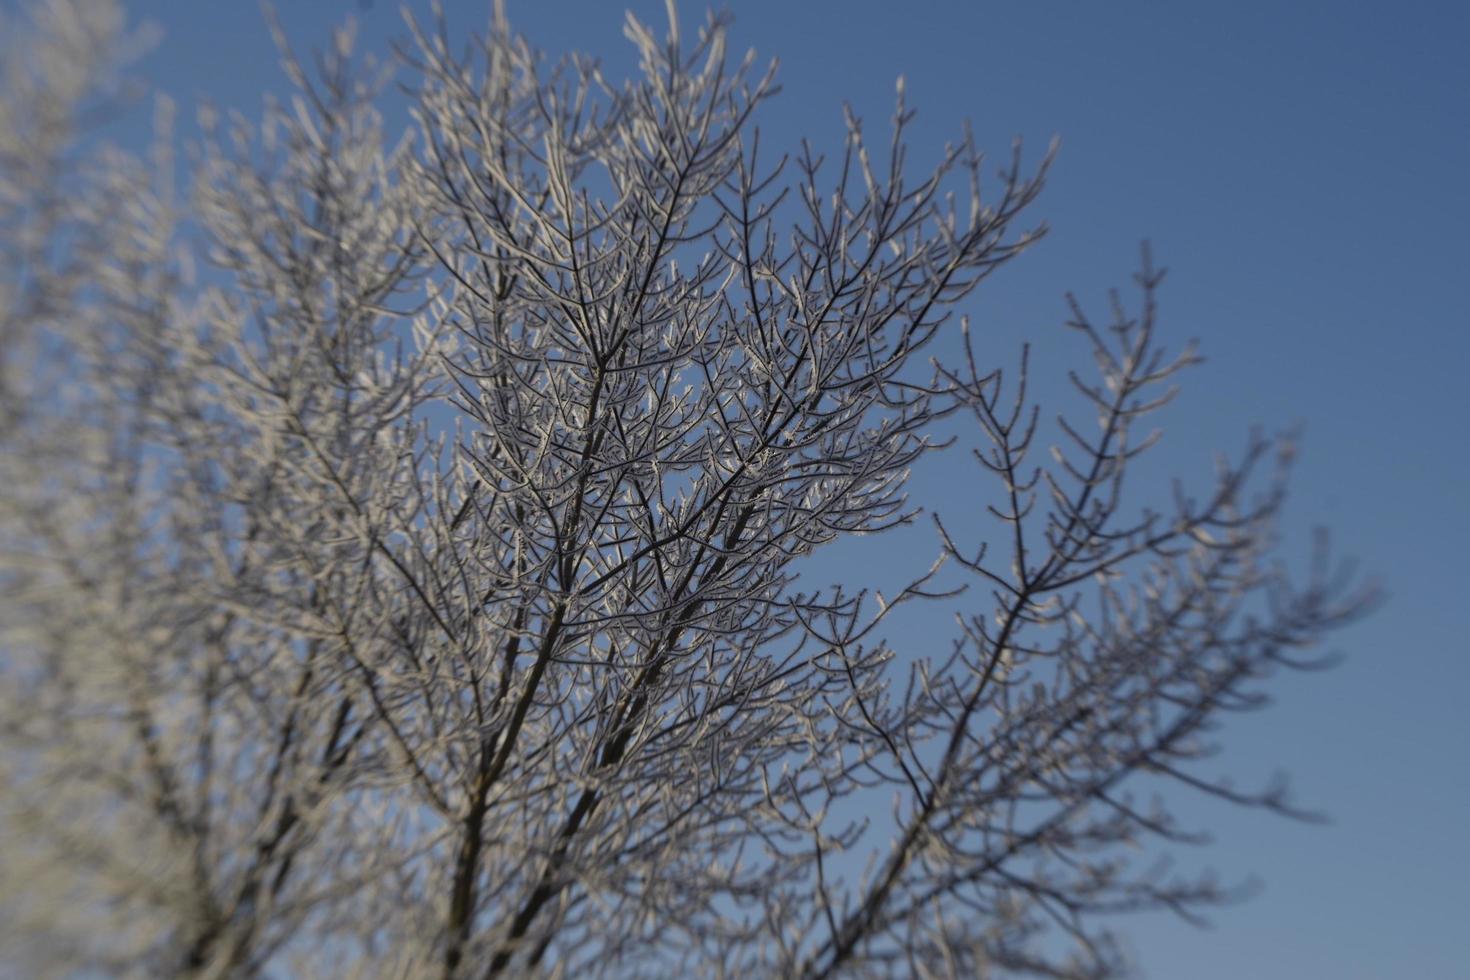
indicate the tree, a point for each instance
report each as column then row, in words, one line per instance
column 413, row 591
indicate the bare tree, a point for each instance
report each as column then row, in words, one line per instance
column 413, row 592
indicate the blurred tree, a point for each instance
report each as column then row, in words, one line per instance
column 413, row 593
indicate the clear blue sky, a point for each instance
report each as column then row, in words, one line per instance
column 1303, row 168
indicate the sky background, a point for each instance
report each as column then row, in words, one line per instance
column 1301, row 168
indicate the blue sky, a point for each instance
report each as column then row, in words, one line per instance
column 1302, row 170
